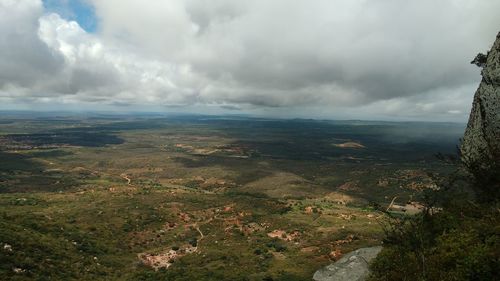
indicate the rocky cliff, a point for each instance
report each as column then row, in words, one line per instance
column 480, row 148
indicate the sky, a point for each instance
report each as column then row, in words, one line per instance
column 330, row 59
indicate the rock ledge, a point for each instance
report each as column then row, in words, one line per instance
column 354, row 266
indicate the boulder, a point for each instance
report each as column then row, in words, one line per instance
column 354, row 266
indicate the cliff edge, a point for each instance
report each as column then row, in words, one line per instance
column 480, row 149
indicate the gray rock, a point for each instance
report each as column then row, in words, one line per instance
column 481, row 143
column 354, row 266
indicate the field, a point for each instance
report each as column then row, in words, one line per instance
column 154, row 197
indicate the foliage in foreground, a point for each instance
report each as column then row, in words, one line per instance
column 463, row 244
column 459, row 242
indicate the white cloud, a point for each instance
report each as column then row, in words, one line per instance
column 398, row 59
column 88, row 70
column 24, row 59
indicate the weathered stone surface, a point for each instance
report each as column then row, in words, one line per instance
column 354, row 266
column 481, row 142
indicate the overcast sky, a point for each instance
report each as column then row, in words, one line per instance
column 352, row 59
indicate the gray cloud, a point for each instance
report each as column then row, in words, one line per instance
column 387, row 59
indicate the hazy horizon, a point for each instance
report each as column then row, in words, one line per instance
column 165, row 114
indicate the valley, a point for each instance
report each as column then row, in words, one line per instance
column 203, row 197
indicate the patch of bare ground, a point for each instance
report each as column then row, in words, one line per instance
column 335, row 254
column 410, row 207
column 166, row 258
column 213, row 184
column 229, row 150
column 234, row 220
column 339, row 198
column 347, row 217
column 349, row 144
column 283, row 235
column 84, row 171
column 349, row 186
column 349, row 239
column 284, row 185
column 309, row 209
column 127, row 178
column 310, row 249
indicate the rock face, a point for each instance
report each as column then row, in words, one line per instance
column 352, row 267
column 481, row 143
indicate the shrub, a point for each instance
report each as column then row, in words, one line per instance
column 461, row 242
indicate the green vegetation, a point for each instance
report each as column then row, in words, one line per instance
column 100, row 198
column 460, row 241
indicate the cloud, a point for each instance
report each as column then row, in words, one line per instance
column 24, row 58
column 401, row 59
column 58, row 62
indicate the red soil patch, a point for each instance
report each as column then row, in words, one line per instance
column 347, row 240
column 335, row 254
column 283, row 235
